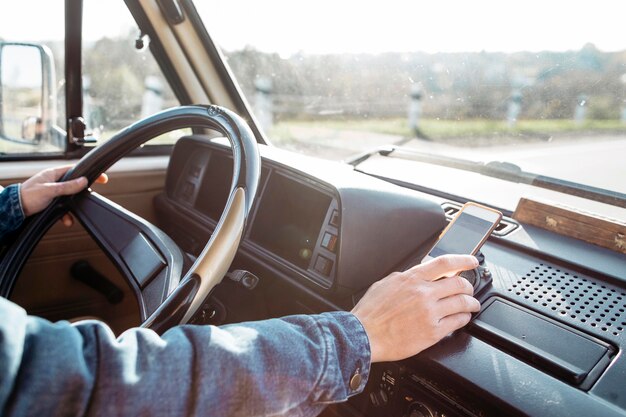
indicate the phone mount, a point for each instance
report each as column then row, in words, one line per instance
column 479, row 277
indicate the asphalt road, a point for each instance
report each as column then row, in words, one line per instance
column 599, row 161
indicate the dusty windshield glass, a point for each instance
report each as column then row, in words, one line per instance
column 539, row 84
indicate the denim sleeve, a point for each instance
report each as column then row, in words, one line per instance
column 291, row 366
column 11, row 213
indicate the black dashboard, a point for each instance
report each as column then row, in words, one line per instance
column 547, row 341
column 321, row 221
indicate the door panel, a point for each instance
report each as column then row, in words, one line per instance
column 45, row 287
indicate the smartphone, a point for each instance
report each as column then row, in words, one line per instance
column 467, row 232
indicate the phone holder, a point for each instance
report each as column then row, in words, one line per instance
column 479, row 277
column 473, row 276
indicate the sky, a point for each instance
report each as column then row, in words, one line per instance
column 410, row 25
column 341, row 26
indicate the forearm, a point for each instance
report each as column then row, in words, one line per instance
column 289, row 366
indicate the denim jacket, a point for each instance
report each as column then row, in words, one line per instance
column 11, row 214
column 292, row 366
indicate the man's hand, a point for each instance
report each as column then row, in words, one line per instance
column 39, row 190
column 405, row 313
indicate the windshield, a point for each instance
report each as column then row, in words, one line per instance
column 539, row 84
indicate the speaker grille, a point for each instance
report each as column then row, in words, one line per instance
column 573, row 298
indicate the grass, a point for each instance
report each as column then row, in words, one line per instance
column 448, row 130
column 483, row 131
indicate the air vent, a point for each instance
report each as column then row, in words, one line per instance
column 505, row 226
column 450, row 210
column 573, row 298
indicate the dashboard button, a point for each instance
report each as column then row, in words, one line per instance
column 329, row 241
column 187, row 190
column 334, row 218
column 420, row 410
column 323, row 265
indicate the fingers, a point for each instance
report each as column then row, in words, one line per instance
column 102, row 179
column 454, row 322
column 38, row 191
column 68, row 187
column 67, row 220
column 459, row 303
column 446, row 287
column 58, row 172
column 407, row 312
column 454, row 296
column 445, row 266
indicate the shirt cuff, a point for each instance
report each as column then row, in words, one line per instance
column 12, row 212
column 348, row 356
column 19, row 200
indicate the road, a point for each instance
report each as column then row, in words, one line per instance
column 599, row 161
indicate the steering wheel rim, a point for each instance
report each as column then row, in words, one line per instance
column 209, row 268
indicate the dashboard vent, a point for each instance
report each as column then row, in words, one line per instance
column 573, row 298
column 450, row 210
column 505, row 226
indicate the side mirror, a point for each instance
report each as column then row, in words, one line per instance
column 27, row 93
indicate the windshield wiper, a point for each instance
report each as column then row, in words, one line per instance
column 503, row 170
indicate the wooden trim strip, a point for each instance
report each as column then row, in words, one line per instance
column 601, row 231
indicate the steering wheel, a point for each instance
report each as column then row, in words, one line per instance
column 149, row 260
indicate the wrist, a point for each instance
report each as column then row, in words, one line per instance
column 372, row 340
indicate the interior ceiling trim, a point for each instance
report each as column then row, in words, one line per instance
column 198, row 59
column 175, row 53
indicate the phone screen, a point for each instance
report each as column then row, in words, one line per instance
column 464, row 235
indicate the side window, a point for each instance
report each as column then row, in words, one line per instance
column 121, row 84
column 31, row 100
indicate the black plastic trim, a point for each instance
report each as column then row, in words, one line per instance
column 73, row 66
column 171, row 313
column 95, row 211
column 558, row 349
column 325, row 282
column 172, row 11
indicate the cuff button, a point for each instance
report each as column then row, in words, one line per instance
column 355, row 381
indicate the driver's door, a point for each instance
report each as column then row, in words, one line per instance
column 120, row 85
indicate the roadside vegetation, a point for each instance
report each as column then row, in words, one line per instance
column 471, row 132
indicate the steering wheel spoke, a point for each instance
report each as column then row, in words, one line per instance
column 140, row 251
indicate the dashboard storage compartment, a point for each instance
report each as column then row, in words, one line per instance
column 559, row 350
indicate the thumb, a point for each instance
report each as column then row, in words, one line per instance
column 68, row 187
